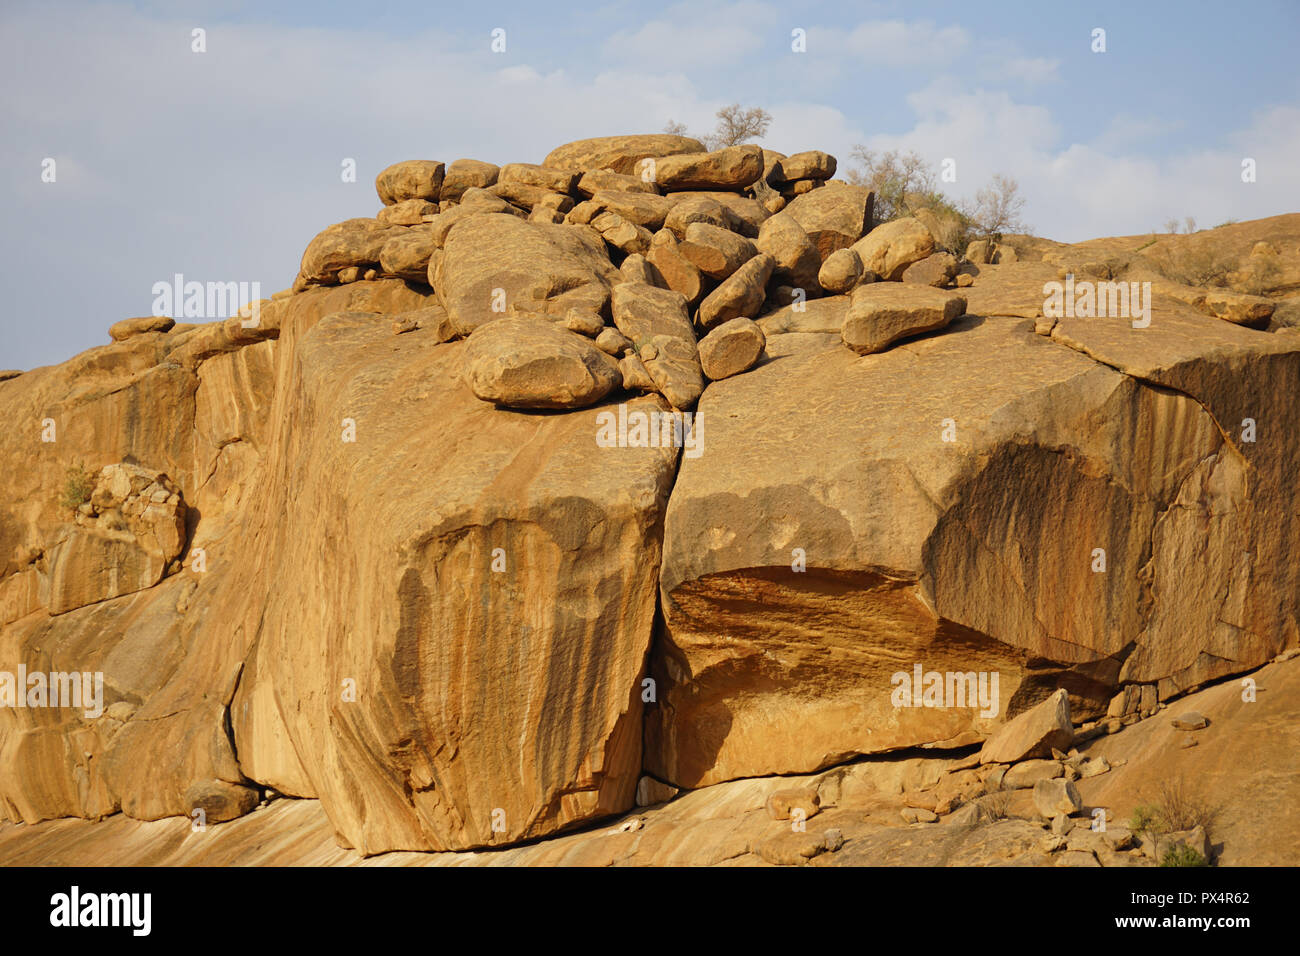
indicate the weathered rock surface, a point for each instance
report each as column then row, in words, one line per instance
column 494, row 263
column 620, row 154
column 319, row 565
column 729, row 823
column 650, row 316
column 946, row 534
column 835, row 217
column 734, row 167
column 412, row 179
column 124, row 539
column 1032, row 734
column 891, row 247
column 530, row 362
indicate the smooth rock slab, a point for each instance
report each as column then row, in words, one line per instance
column 620, row 154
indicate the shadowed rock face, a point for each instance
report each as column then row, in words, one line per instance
column 347, row 575
column 993, row 532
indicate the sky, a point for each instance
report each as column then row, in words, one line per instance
column 222, row 165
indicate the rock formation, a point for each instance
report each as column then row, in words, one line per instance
column 370, row 548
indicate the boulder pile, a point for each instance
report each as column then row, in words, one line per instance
column 424, row 538
column 650, row 237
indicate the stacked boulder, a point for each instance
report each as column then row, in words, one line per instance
column 635, row 263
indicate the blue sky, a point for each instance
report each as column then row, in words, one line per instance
column 223, row 165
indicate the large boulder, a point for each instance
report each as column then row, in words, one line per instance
column 351, row 243
column 1034, row 733
column 834, row 217
column 679, row 273
column 407, row 255
column 893, row 246
column 465, row 174
column 714, row 251
column 881, row 313
column 412, row 179
column 530, row 362
column 645, row 209
column 731, row 348
column 494, row 263
column 840, row 272
column 734, row 167
column 542, row 177
column 813, row 164
column 741, row 294
column 620, row 154
column 659, row 327
column 797, row 259
column 958, row 527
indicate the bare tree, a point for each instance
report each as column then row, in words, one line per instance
column 903, row 182
column 675, row 128
column 737, row 125
column 997, row 208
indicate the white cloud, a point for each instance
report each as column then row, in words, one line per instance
column 1077, row 191
column 920, row 44
column 694, row 36
column 1032, row 70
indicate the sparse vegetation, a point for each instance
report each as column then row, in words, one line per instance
column 78, row 483
column 1261, row 274
column 1183, row 855
column 1145, row 819
column 906, row 185
column 997, row 804
column 1197, row 262
column 1181, row 809
column 1176, row 808
column 736, row 125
